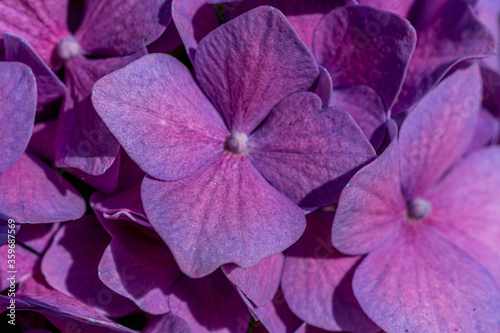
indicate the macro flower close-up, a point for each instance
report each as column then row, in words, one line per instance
column 250, row 166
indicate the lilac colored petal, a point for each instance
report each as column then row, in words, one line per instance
column 465, row 208
column 70, row 265
column 366, row 107
column 169, row 41
column 249, row 64
column 130, row 173
column 448, row 37
column 167, row 323
column 260, row 282
column 307, row 153
column 119, row 28
column 194, row 20
column 418, row 282
column 488, row 12
column 107, row 182
column 37, row 237
column 42, row 23
column 49, row 87
column 486, row 132
column 192, row 298
column 276, row 316
column 356, row 45
column 37, row 194
column 439, row 131
column 83, row 141
column 122, row 206
column 17, row 114
column 317, row 281
column 371, row 207
column 138, row 265
column 226, row 213
column 324, row 87
column 390, row 135
column 63, row 311
column 161, row 118
column 43, row 140
column 400, row 7
column 304, row 16
column 23, row 263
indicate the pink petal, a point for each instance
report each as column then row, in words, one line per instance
column 249, row 64
column 225, row 213
column 23, row 262
column 167, row 323
column 356, row 45
column 417, row 282
column 83, row 141
column 439, row 131
column 70, row 266
column 170, row 135
column 317, row 281
column 307, row 153
column 49, row 87
column 371, row 207
column 37, row 237
column 42, row 23
column 260, row 282
column 119, row 28
column 17, row 114
column 400, row 7
column 51, row 198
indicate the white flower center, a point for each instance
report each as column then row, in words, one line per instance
column 237, row 142
column 419, row 208
column 68, row 48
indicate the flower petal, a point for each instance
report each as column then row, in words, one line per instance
column 17, row 114
column 49, row 87
column 439, row 131
column 307, row 153
column 161, row 118
column 35, row 193
column 70, row 266
column 317, row 281
column 451, row 34
column 167, row 323
column 400, row 7
column 42, row 23
column 121, row 27
column 417, row 282
column 487, row 131
column 371, row 206
column 249, row 64
column 82, row 140
column 356, row 45
column 225, row 213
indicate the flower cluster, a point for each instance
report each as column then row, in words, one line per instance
column 250, row 166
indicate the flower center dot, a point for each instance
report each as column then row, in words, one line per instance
column 68, row 48
column 419, row 208
column 237, row 142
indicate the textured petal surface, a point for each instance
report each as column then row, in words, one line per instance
column 488, row 11
column 161, row 118
column 37, row 237
column 276, row 316
column 226, row 213
column 17, row 114
column 451, row 34
column 83, row 141
column 48, row 85
column 438, row 132
column 40, row 22
column 118, row 28
column 249, row 64
column 487, row 131
column 324, row 87
column 138, row 265
column 23, row 261
column 371, row 207
column 466, row 210
column 317, row 281
column 400, row 7
column 260, row 282
column 167, row 323
column 38, row 194
column 366, row 107
column 194, row 20
column 356, row 45
column 70, row 266
column 192, row 297
column 420, row 283
column 307, row 153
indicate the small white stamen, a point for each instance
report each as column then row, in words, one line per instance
column 419, row 208
column 237, row 142
column 68, row 48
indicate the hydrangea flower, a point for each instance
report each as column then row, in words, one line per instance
column 429, row 220
column 210, row 153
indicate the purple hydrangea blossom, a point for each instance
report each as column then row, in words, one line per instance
column 428, row 220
